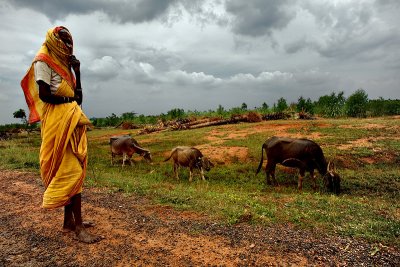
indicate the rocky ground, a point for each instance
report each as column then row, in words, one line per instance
column 138, row 233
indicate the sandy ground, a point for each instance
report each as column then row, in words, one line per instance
column 138, row 233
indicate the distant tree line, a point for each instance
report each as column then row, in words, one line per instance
column 334, row 105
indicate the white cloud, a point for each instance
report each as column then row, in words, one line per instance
column 104, row 68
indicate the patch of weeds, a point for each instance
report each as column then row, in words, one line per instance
column 264, row 211
column 12, row 160
column 30, row 164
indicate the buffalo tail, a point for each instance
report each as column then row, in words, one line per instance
column 170, row 155
column 261, row 160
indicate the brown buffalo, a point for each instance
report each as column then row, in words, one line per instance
column 127, row 146
column 189, row 157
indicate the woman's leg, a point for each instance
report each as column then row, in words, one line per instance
column 80, row 230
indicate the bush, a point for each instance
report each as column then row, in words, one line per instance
column 356, row 104
column 331, row 106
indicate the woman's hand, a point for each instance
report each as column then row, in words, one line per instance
column 75, row 64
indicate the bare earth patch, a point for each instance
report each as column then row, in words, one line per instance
column 225, row 155
column 138, row 233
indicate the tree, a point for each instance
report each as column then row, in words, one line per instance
column 112, row 120
column 282, row 105
column 176, row 113
column 220, row 110
column 309, row 106
column 236, row 111
column 304, row 105
column 265, row 106
column 142, row 119
column 244, row 106
column 20, row 114
column 356, row 104
column 331, row 105
column 301, row 103
column 128, row 116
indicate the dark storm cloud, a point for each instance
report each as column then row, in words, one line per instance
column 259, row 17
column 150, row 56
column 294, row 47
column 388, row 2
column 345, row 18
column 349, row 30
column 122, row 11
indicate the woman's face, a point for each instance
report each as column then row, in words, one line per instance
column 66, row 38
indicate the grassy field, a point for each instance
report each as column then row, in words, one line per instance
column 366, row 153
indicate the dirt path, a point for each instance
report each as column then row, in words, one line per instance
column 140, row 234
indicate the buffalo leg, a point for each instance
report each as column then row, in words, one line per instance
column 269, row 171
column 300, row 181
column 314, row 180
column 202, row 174
column 190, row 174
column 274, row 182
column 176, row 171
column 123, row 159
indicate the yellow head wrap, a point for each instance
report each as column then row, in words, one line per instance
column 56, row 46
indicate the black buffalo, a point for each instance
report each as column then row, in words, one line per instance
column 304, row 154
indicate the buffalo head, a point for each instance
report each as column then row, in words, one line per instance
column 147, row 156
column 205, row 163
column 332, row 179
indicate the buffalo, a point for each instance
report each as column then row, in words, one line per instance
column 189, row 157
column 304, row 154
column 127, row 146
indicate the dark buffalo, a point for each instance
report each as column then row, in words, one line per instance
column 304, row 154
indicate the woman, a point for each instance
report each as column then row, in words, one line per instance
column 53, row 95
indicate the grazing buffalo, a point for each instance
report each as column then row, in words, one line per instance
column 127, row 146
column 189, row 157
column 303, row 154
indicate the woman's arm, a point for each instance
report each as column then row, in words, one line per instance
column 76, row 66
column 46, row 96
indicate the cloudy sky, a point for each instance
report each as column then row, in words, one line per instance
column 149, row 56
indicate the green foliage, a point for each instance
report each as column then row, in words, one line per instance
column 112, row 120
column 331, row 106
column 13, row 126
column 264, row 109
column 281, row 105
column 304, row 105
column 128, row 116
column 176, row 113
column 382, row 107
column 220, row 110
column 236, row 111
column 20, row 114
column 356, row 104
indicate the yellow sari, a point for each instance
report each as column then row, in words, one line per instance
column 63, row 152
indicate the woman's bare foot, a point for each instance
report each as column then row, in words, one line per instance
column 83, row 236
column 70, row 226
column 88, row 224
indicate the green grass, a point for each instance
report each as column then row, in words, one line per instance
column 369, row 207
